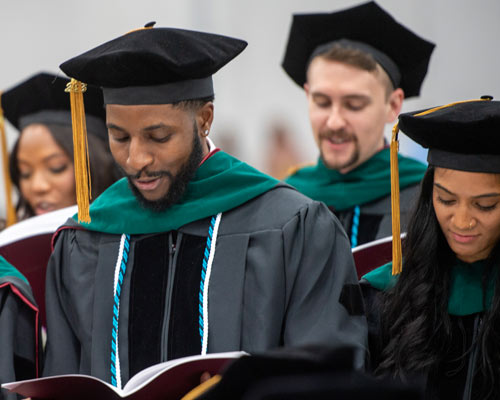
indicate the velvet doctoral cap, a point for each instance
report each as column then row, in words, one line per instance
column 464, row 136
column 155, row 65
column 42, row 99
column 367, row 27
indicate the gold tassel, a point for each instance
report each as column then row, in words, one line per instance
column 149, row 25
column 10, row 211
column 81, row 150
column 396, row 223
column 397, row 260
column 202, row 388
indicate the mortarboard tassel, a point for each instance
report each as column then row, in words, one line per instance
column 397, row 261
column 81, row 150
column 11, row 212
column 202, row 388
column 396, row 223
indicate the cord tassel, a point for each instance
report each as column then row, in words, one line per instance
column 10, row 211
column 395, row 206
column 81, row 151
column 397, row 258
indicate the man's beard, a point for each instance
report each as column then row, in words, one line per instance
column 354, row 156
column 178, row 182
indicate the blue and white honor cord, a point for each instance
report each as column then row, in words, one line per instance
column 355, row 227
column 206, row 270
column 120, row 269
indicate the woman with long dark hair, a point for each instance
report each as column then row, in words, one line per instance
column 440, row 317
column 41, row 162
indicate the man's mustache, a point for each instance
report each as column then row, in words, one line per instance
column 341, row 134
column 150, row 174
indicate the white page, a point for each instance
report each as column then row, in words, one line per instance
column 142, row 378
column 147, row 375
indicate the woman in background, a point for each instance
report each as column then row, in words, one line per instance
column 441, row 316
column 41, row 168
column 41, row 162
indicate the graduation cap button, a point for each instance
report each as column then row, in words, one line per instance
column 486, row 97
column 150, row 24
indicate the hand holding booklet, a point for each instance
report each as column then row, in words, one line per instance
column 168, row 380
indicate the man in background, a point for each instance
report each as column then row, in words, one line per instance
column 356, row 67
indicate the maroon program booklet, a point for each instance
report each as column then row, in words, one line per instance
column 27, row 246
column 168, row 380
column 372, row 255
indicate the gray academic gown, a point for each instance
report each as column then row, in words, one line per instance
column 281, row 268
column 375, row 216
column 18, row 333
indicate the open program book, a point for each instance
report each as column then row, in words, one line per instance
column 168, row 380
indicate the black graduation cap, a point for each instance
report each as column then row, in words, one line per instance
column 367, row 27
column 42, row 99
column 464, row 136
column 155, row 65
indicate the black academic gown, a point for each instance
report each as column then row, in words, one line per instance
column 454, row 378
column 282, row 275
column 19, row 340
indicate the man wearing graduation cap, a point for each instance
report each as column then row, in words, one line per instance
column 356, row 66
column 195, row 252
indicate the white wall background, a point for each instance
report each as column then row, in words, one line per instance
column 253, row 91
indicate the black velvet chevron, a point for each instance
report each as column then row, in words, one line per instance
column 150, row 279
